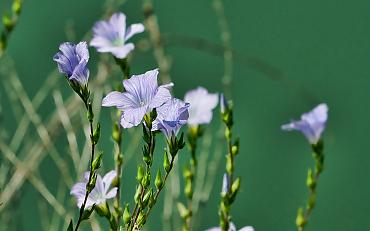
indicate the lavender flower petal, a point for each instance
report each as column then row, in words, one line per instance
column 141, row 96
column 72, row 61
column 201, row 105
column 112, row 35
column 171, row 116
column 312, row 124
column 100, row 192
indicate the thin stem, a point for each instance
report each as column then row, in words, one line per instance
column 91, row 169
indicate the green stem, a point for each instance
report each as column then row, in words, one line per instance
column 88, row 107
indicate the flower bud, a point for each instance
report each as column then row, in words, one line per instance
column 310, row 182
column 158, row 180
column 300, row 220
column 103, row 210
column 126, row 215
column 147, row 197
column 97, row 161
column 96, row 134
column 140, row 173
column 166, row 163
column 116, row 134
column 188, row 188
column 235, row 186
column 138, row 193
column 146, row 180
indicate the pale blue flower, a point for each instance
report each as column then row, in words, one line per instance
column 111, row 35
column 312, row 124
column 72, row 61
column 201, row 105
column 171, row 116
column 232, row 228
column 141, row 96
column 99, row 194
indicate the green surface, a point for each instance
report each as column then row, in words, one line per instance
column 322, row 50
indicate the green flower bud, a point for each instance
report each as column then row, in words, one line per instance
column 158, row 180
column 310, row 182
column 300, row 220
column 116, row 134
column 235, row 148
column 188, row 189
column 137, row 194
column 126, row 215
column 235, row 186
column 141, row 219
column 140, row 173
column 97, row 161
column 166, row 163
column 146, row 180
column 16, row 7
column 90, row 114
column 96, row 134
column 228, row 133
column 187, row 173
column 90, row 186
column 147, row 197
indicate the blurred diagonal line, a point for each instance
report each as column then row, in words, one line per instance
column 66, row 122
column 37, row 183
column 38, row 151
column 40, row 96
column 40, row 128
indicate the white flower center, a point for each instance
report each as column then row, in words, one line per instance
column 118, row 42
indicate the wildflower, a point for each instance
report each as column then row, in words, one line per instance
column 171, row 117
column 99, row 194
column 72, row 61
column 111, row 35
column 201, row 105
column 141, row 96
column 312, row 124
column 232, row 228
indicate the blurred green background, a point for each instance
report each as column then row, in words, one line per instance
column 289, row 56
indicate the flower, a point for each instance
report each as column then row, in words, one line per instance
column 225, row 184
column 141, row 96
column 171, row 116
column 312, row 124
column 201, row 105
column 111, row 35
column 100, row 192
column 232, row 228
column 72, row 61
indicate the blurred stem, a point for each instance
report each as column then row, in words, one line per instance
column 311, row 182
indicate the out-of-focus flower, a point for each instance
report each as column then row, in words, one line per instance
column 141, row 96
column 312, row 123
column 232, row 228
column 111, row 35
column 72, row 61
column 201, row 105
column 99, row 194
column 171, row 116
column 225, row 184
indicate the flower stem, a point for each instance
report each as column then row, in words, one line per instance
column 311, row 182
column 88, row 106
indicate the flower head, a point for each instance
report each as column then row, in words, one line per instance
column 201, row 105
column 99, row 194
column 141, row 96
column 72, row 61
column 232, row 228
column 312, row 123
column 111, row 35
column 171, row 116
